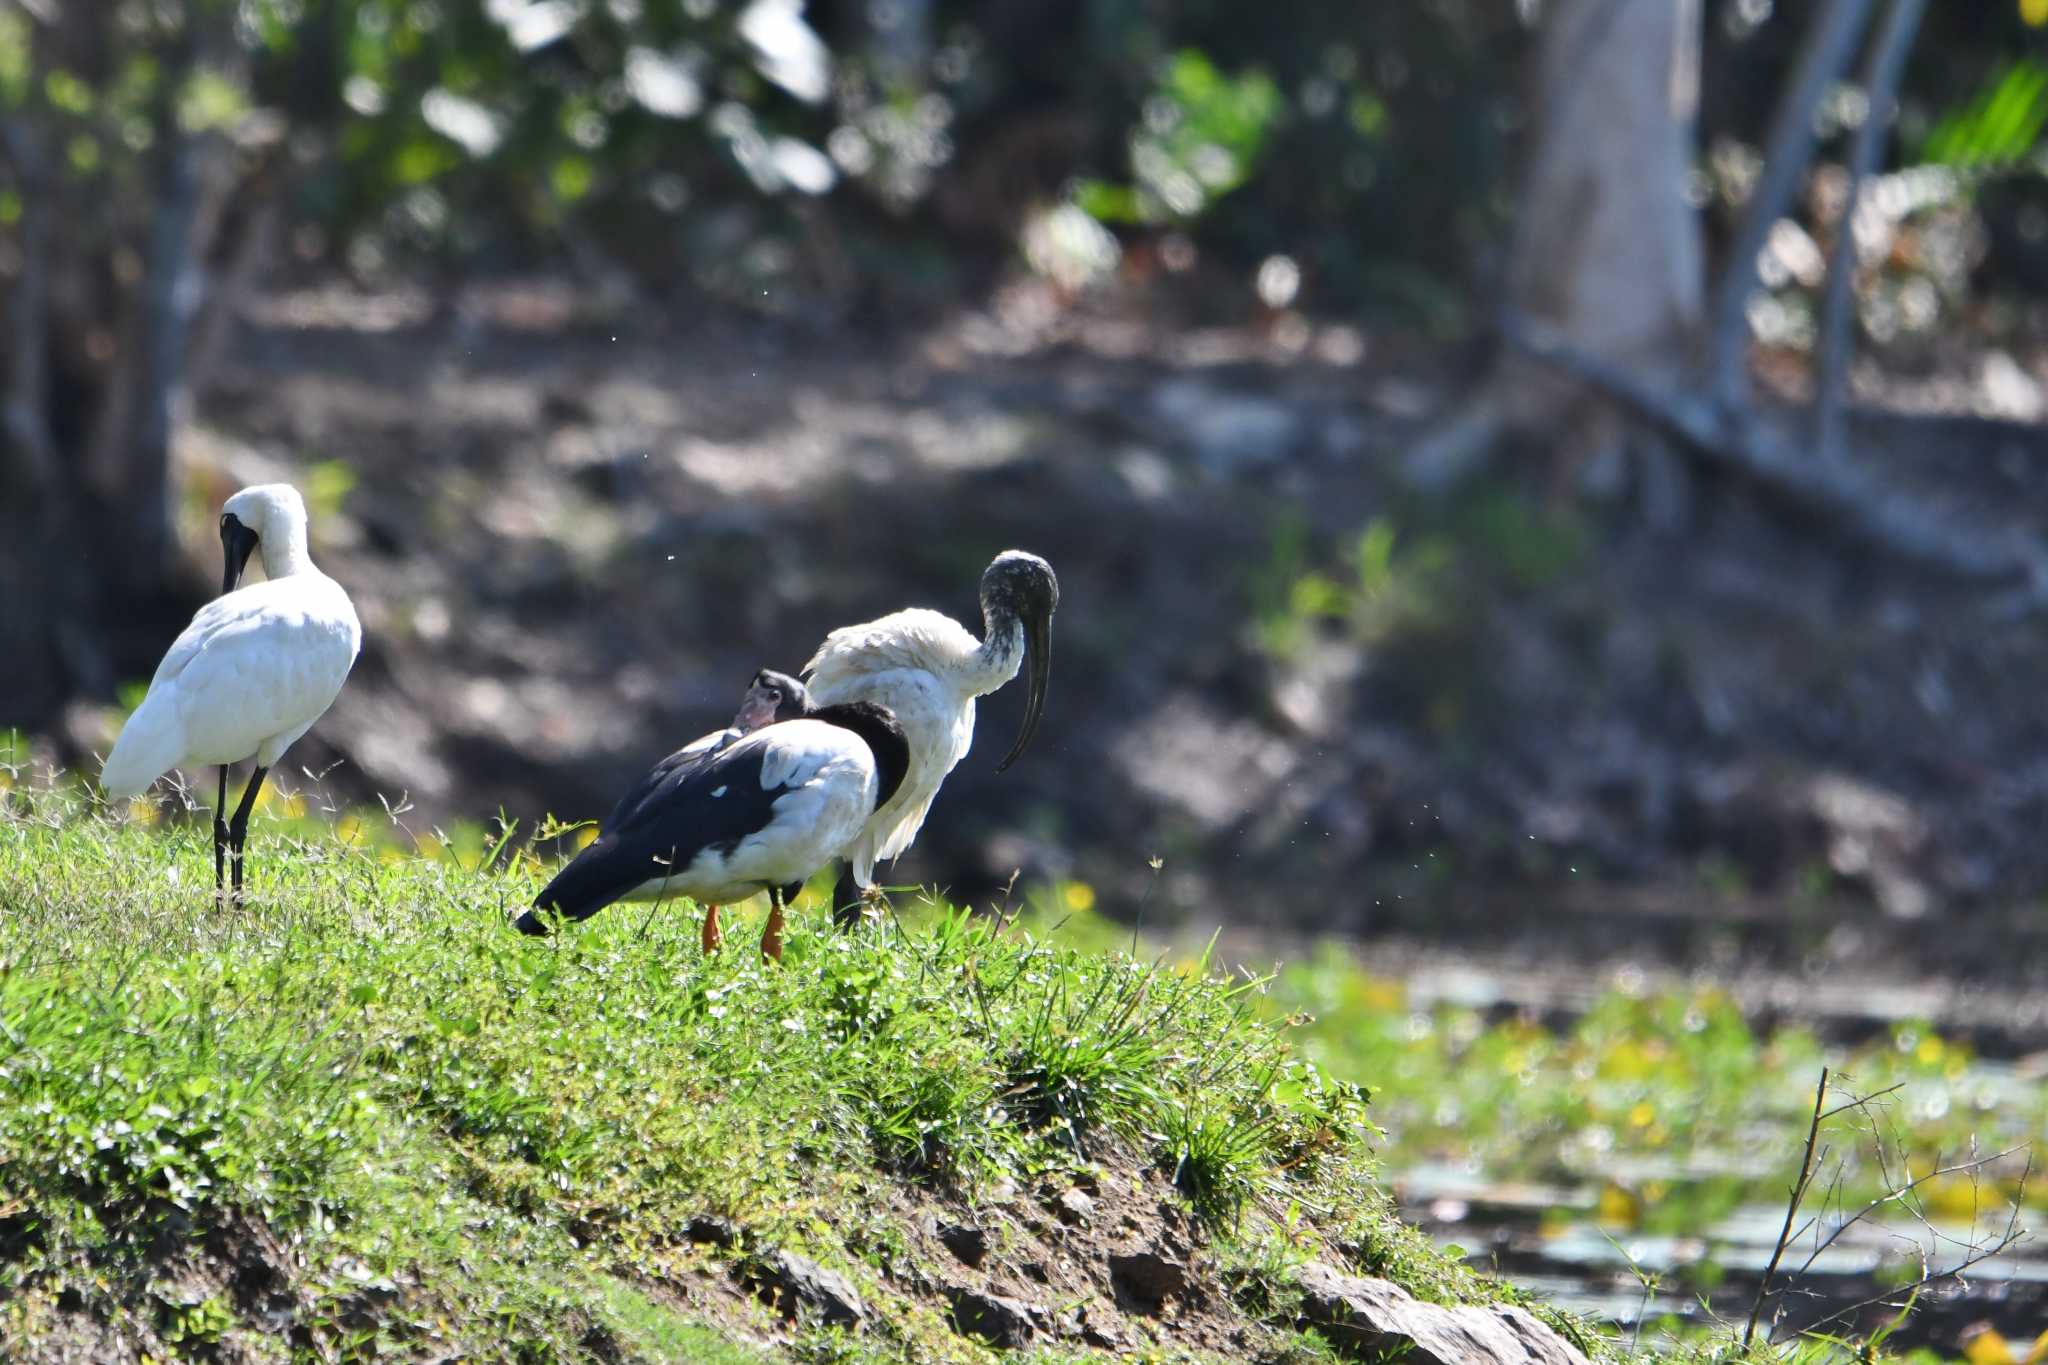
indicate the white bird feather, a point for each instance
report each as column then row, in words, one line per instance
column 256, row 667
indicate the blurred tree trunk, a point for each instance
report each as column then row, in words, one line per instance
column 1606, row 252
column 1607, row 249
column 101, row 286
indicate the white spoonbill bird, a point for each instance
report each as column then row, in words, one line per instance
column 927, row 669
column 760, row 814
column 254, row 670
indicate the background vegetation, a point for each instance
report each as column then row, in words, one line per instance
column 1583, row 652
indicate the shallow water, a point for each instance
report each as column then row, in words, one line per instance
column 1549, row 1239
column 1555, row 1238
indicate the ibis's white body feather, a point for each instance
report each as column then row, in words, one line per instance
column 249, row 676
column 924, row 666
column 832, row 779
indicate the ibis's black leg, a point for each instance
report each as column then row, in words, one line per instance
column 846, row 913
column 238, row 829
column 220, row 834
column 771, row 937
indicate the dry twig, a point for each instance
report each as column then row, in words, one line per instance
column 1900, row 1189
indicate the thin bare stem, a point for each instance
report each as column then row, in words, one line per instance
column 1881, row 73
column 1829, row 45
column 1756, row 1309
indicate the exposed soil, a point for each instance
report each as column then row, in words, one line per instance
column 1109, row 1258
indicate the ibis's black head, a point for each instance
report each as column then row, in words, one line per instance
column 237, row 543
column 878, row 726
column 771, row 697
column 1021, row 587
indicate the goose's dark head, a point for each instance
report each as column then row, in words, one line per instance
column 1021, row 587
column 771, row 697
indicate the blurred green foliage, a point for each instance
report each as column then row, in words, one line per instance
column 1200, row 139
column 736, row 145
column 2000, row 125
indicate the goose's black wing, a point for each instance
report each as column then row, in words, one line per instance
column 678, row 810
column 667, row 773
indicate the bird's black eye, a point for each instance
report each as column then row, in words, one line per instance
column 774, row 694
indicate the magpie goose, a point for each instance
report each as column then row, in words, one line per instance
column 761, row 813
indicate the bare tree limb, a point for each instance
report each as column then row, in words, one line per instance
column 2012, row 1235
column 1822, row 57
column 1895, row 520
column 1882, row 69
column 1902, row 1194
column 1901, row 1188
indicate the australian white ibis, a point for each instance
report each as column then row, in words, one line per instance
column 928, row 669
column 254, row 670
column 761, row 813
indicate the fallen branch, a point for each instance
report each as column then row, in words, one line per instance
column 1732, row 440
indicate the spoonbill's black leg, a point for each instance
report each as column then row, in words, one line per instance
column 238, row 829
column 220, row 834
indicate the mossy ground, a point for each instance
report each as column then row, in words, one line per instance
column 359, row 1117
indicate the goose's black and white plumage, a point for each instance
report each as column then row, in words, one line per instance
column 761, row 813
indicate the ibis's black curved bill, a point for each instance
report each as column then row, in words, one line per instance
column 237, row 542
column 1038, row 659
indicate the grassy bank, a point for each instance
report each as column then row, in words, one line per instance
column 358, row 1117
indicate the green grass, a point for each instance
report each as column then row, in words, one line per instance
column 468, row 1142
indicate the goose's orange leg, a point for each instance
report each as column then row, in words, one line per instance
column 712, row 937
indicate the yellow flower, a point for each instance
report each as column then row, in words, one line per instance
column 1989, row 1348
column 1617, row 1205
column 1078, row 897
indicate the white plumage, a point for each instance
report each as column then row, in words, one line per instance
column 256, row 667
column 928, row 669
column 925, row 667
column 249, row 676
